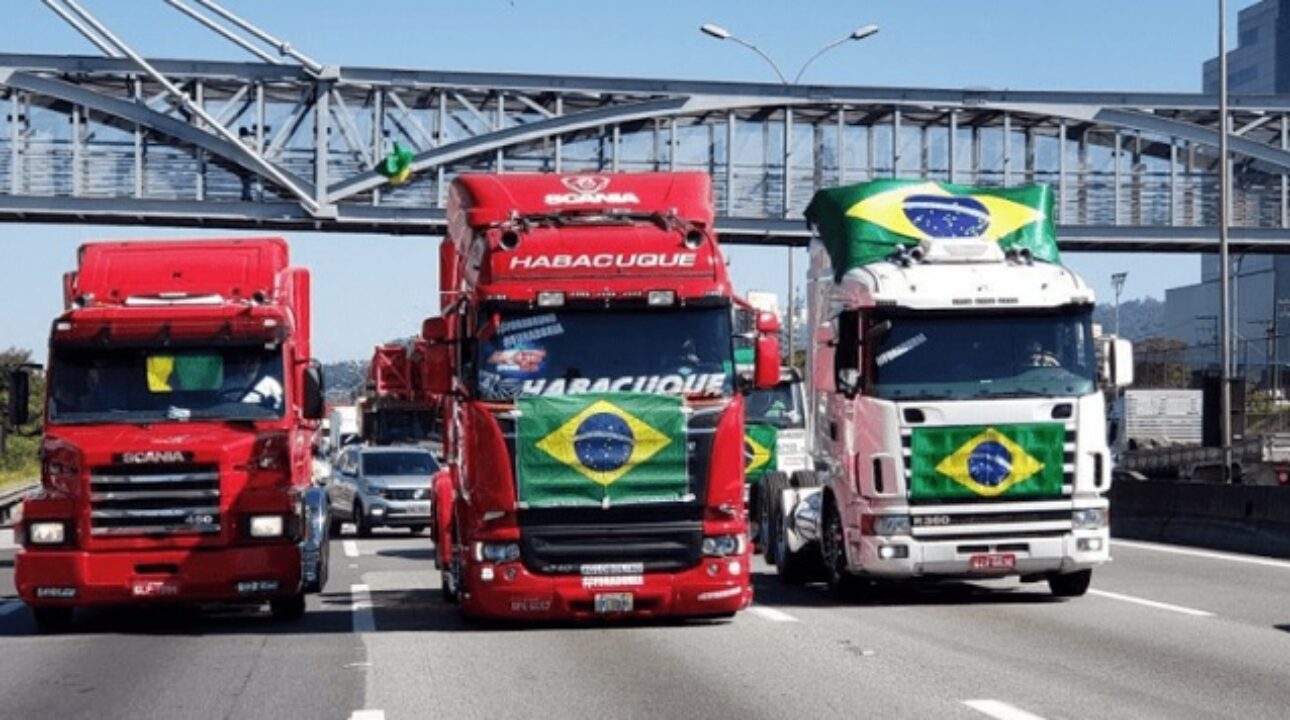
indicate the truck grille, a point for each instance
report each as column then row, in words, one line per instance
column 566, row 548
column 154, row 500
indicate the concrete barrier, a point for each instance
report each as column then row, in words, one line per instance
column 1251, row 519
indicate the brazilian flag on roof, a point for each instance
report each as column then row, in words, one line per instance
column 601, row 449
column 864, row 223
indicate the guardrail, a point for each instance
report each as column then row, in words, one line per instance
column 1252, row 519
column 11, row 499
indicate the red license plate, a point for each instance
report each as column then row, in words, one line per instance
column 993, row 562
column 154, row 588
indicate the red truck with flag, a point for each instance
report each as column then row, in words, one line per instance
column 593, row 425
column 180, row 412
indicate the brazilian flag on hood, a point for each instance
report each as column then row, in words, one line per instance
column 864, row 223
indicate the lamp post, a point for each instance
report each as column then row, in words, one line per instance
column 1224, row 257
column 1117, row 281
column 720, row 33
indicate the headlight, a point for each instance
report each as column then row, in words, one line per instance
column 722, row 545
column 891, row 525
column 47, row 533
column 266, row 526
column 497, row 552
column 378, row 490
column 1089, row 519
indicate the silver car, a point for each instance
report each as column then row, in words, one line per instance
column 381, row 487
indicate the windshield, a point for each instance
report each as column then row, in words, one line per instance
column 777, row 406
column 686, row 351
column 399, row 463
column 170, row 384
column 963, row 357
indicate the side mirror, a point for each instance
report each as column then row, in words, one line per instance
column 312, row 405
column 766, row 367
column 19, row 397
column 1121, row 363
column 766, row 352
column 436, row 356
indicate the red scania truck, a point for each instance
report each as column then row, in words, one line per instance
column 181, row 406
column 592, row 423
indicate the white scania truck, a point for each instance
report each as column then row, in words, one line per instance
column 958, row 426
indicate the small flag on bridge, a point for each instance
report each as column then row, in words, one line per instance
column 397, row 166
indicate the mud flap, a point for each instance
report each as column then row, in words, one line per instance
column 313, row 545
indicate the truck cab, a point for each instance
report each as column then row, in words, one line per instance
column 176, row 459
column 593, row 425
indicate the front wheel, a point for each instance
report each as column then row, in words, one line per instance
column 288, row 608
column 1071, row 584
column 770, row 512
column 362, row 526
column 53, row 619
column 834, row 554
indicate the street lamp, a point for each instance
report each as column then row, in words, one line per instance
column 1117, row 281
column 716, row 31
column 1224, row 257
column 720, row 33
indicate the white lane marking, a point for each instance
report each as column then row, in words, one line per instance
column 367, row 715
column 6, row 540
column 351, row 548
column 10, row 607
column 1151, row 603
column 1210, row 555
column 364, row 618
column 1001, row 710
column 771, row 614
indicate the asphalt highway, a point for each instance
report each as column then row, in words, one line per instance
column 1165, row 632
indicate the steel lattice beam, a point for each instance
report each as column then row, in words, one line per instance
column 80, row 141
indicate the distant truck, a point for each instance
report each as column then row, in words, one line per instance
column 775, row 439
column 181, row 406
column 393, row 409
column 1157, row 434
column 959, row 427
column 342, row 428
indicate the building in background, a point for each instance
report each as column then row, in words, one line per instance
column 1260, row 63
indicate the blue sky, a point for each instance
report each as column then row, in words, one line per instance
column 372, row 288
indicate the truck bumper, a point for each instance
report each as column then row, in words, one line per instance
column 716, row 587
column 79, row 578
column 397, row 513
column 1071, row 552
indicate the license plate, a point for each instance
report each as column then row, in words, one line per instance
column 613, row 602
column 993, row 562
column 154, row 588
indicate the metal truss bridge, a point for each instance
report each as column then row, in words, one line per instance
column 290, row 147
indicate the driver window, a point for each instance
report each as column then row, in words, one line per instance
column 846, row 359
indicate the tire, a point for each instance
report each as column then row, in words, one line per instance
column 795, row 567
column 362, row 526
column 804, row 479
column 53, row 619
column 770, row 487
column 288, row 609
column 449, row 589
column 833, row 556
column 1071, row 584
column 324, row 563
column 418, row 529
column 334, row 524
